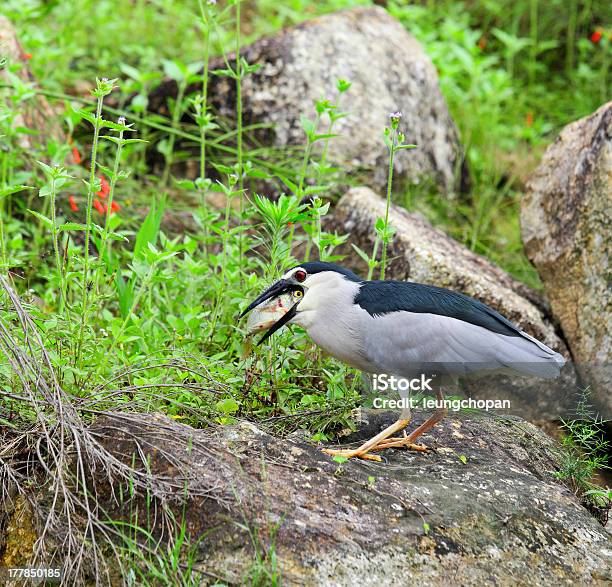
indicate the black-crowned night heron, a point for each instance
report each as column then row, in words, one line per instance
column 399, row 328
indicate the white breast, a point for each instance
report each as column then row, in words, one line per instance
column 332, row 320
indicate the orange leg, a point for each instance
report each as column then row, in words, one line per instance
column 408, row 441
column 362, row 451
column 384, row 440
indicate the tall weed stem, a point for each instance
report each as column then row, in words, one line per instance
column 54, row 234
column 240, row 170
column 104, row 238
column 383, row 261
column 203, row 127
column 103, row 88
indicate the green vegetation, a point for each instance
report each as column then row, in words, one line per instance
column 153, row 562
column 586, row 453
column 509, row 71
column 136, row 315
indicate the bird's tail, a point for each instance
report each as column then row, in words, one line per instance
column 532, row 357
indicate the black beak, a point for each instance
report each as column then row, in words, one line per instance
column 276, row 289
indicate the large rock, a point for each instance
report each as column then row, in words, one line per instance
column 566, row 220
column 389, row 71
column 497, row 515
column 424, row 254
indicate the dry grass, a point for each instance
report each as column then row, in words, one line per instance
column 55, row 467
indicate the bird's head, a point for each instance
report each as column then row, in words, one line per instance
column 281, row 303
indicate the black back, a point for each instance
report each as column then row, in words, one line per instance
column 382, row 297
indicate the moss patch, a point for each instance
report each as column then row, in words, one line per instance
column 20, row 536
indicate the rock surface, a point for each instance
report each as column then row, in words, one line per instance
column 495, row 516
column 36, row 113
column 424, row 254
column 566, row 219
column 389, row 71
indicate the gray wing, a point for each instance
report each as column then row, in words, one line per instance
column 407, row 343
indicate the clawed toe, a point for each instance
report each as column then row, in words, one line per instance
column 400, row 443
column 350, row 454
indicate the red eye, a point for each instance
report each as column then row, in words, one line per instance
column 300, row 275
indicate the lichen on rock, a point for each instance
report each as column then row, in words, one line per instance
column 496, row 514
column 566, row 220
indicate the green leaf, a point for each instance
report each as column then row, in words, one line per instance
column 13, row 189
column 119, row 127
column 324, row 136
column 361, row 253
column 185, row 184
column 224, row 73
column 315, row 189
column 115, row 236
column 308, row 125
column 339, row 459
column 139, row 103
column 72, row 226
column 46, row 221
column 46, row 168
column 88, row 116
column 122, row 142
column 149, row 229
column 342, row 85
column 104, row 169
column 292, row 186
column 130, row 71
column 228, row 406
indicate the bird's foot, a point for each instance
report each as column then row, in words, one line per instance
column 352, row 453
column 402, row 442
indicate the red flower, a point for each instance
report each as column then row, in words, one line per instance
column 104, row 188
column 596, row 36
column 289, row 224
column 27, row 56
column 98, row 206
column 76, row 156
column 115, row 207
column 529, row 119
column 73, row 204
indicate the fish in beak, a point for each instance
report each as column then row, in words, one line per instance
column 273, row 308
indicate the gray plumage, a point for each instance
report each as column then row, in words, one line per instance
column 405, row 329
column 402, row 329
